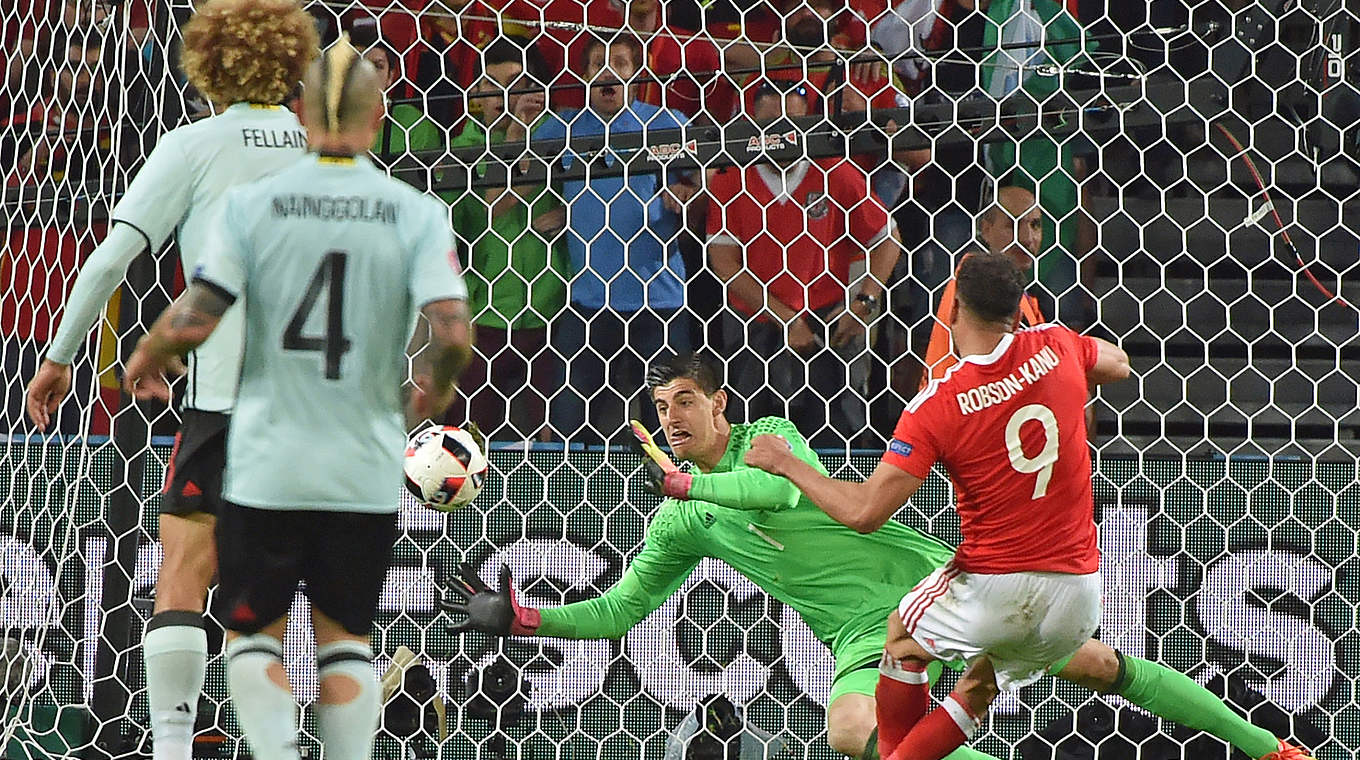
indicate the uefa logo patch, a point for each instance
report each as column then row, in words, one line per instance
column 901, row 448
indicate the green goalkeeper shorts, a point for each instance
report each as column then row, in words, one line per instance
column 858, row 650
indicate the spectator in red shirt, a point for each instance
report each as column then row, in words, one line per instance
column 398, row 31
column 442, row 63
column 701, row 90
column 811, row 58
column 888, row 178
column 37, row 267
column 760, row 21
column 791, row 241
column 445, row 59
column 61, row 145
column 560, row 46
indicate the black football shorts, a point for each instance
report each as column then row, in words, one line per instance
column 263, row 554
column 193, row 480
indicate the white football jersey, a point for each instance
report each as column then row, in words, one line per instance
column 333, row 259
column 180, row 190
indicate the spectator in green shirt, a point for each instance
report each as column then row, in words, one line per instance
column 406, row 126
column 1052, row 169
column 514, row 277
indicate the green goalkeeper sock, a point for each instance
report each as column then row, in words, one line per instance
column 1172, row 695
column 967, row 753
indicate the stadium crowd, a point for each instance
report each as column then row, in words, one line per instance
column 817, row 280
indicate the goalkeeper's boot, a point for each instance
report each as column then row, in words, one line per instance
column 1288, row 751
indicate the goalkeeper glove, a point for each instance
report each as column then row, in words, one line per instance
column 662, row 477
column 495, row 612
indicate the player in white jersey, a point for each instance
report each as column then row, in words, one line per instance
column 246, row 56
column 332, row 259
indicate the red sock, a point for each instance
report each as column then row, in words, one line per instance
column 902, row 696
column 942, row 731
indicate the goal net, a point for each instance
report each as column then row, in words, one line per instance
column 1183, row 178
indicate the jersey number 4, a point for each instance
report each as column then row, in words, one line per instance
column 329, row 277
column 1048, row 455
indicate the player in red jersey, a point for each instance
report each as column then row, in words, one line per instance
column 1023, row 590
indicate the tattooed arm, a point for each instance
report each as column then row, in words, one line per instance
column 440, row 348
column 181, row 328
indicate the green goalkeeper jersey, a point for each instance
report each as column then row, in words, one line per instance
column 841, row 583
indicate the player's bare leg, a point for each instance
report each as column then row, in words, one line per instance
column 977, row 688
column 189, row 563
column 905, row 729
column 260, row 692
column 1171, row 695
column 1095, row 666
column 850, row 720
column 175, row 648
column 943, row 730
column 867, row 736
column 903, row 693
column 351, row 698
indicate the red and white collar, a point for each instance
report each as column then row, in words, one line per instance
column 782, row 182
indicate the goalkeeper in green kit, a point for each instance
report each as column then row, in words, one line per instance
column 843, row 584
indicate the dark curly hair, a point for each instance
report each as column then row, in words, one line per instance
column 248, row 50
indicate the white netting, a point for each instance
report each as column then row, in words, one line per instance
column 1226, row 470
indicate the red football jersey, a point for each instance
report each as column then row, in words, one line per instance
column 679, row 51
column 1010, row 427
column 798, row 241
column 876, row 92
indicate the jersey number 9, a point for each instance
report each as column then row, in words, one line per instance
column 1048, row 456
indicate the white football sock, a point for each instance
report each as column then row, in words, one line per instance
column 175, row 652
column 348, row 728
column 266, row 711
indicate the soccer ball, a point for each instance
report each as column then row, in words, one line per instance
column 444, row 467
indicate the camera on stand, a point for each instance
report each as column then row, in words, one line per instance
column 498, row 695
column 413, row 713
column 717, row 730
column 416, row 716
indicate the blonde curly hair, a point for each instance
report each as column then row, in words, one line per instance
column 248, row 50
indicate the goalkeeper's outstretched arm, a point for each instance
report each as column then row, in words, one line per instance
column 615, row 612
column 743, row 488
column 653, row 576
column 753, row 488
